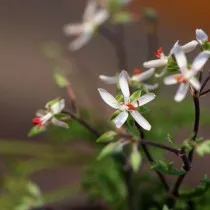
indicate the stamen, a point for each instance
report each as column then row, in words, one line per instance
column 159, row 52
column 181, row 79
column 131, row 107
column 137, row 71
column 37, row 121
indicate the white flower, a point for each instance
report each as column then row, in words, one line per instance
column 45, row 117
column 92, row 18
column 162, row 60
column 138, row 76
column 186, row 77
column 127, row 106
column 201, row 36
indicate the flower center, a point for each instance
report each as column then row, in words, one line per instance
column 131, row 106
column 137, row 71
column 37, row 121
column 159, row 52
column 181, row 79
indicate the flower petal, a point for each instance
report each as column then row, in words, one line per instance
column 123, row 82
column 162, row 73
column 109, row 80
column 180, row 58
column 73, row 29
column 145, row 99
column 151, row 87
column 90, row 10
column 174, row 47
column 143, row 76
column 140, row 120
column 201, row 36
column 120, row 119
column 108, row 98
column 46, row 117
column 189, row 47
column 100, row 17
column 155, row 63
column 195, row 83
column 59, row 123
column 170, row 80
column 200, row 61
column 182, row 92
column 58, row 106
column 41, row 112
column 80, row 41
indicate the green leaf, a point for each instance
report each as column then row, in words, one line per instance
column 170, row 138
column 135, row 96
column 110, row 149
column 165, row 207
column 172, row 66
column 61, row 80
column 206, row 46
column 107, row 137
column 62, row 116
column 115, row 4
column 188, row 145
column 114, row 115
column 121, row 17
column 35, row 130
column 119, row 98
column 203, row 148
column 135, row 160
column 199, row 190
column 150, row 13
column 52, row 102
column 143, row 109
column 167, row 168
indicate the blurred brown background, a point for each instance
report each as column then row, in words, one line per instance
column 26, row 74
column 26, row 80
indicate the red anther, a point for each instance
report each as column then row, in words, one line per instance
column 181, row 79
column 159, row 52
column 37, row 121
column 131, row 107
column 137, row 71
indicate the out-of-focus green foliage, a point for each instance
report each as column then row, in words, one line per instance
column 110, row 149
column 35, row 130
column 167, row 120
column 102, row 180
column 22, row 159
column 20, row 194
column 203, row 148
column 135, row 160
column 107, row 137
column 199, row 190
column 167, row 168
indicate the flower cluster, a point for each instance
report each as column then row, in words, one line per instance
column 177, row 61
column 45, row 117
column 96, row 13
column 128, row 106
column 138, row 76
column 186, row 76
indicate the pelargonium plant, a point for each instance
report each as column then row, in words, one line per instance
column 127, row 141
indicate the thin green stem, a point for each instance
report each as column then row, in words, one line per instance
column 83, row 123
column 178, row 183
column 150, row 158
